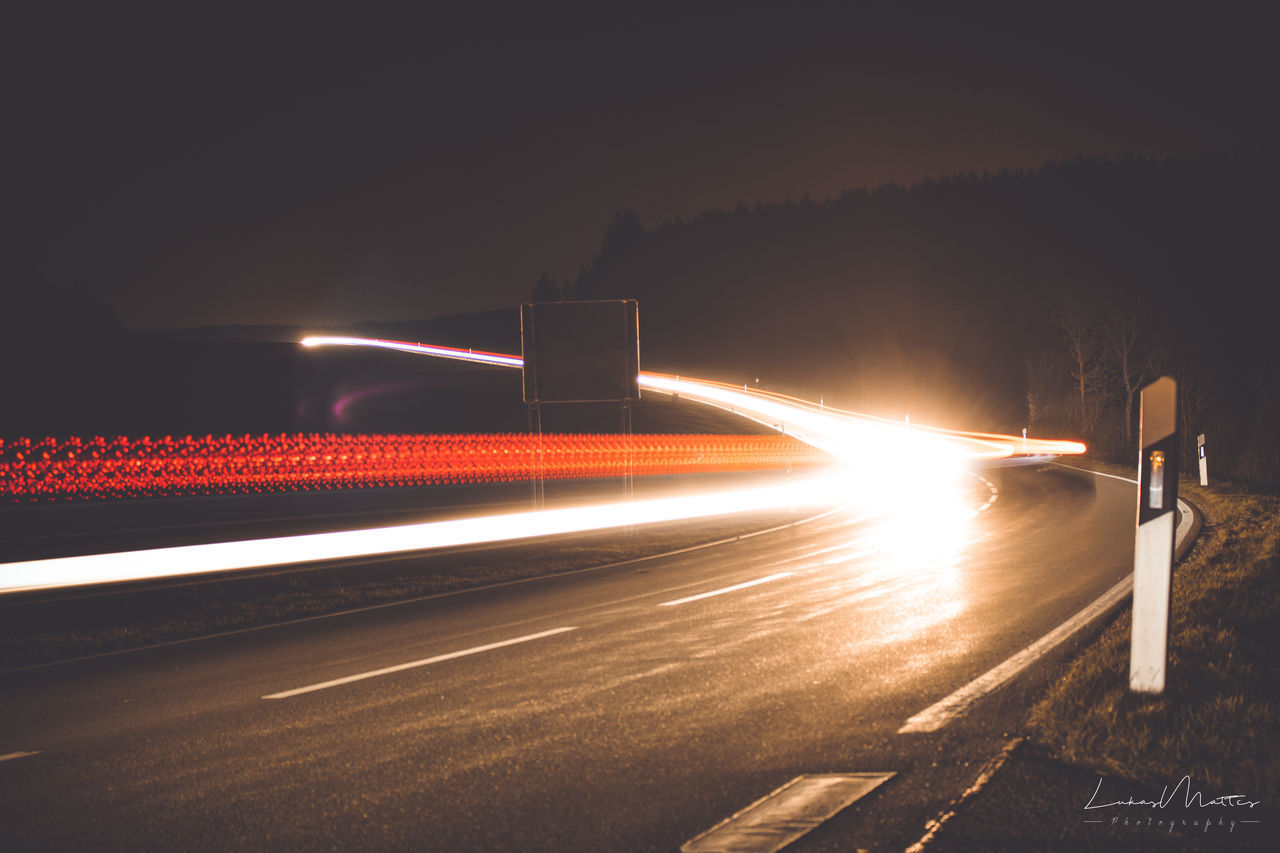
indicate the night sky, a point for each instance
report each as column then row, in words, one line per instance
column 318, row 165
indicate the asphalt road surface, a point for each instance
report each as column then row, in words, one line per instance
column 618, row 709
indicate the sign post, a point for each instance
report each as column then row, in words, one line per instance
column 580, row 352
column 1153, row 548
column 1204, row 463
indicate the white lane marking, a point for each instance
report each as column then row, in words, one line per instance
column 849, row 557
column 809, row 555
column 1185, row 521
column 957, row 704
column 1096, row 473
column 324, row 685
column 774, row 821
column 995, row 493
column 14, row 755
column 722, row 591
column 818, row 613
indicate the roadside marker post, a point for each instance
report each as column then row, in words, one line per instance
column 1204, row 463
column 1153, row 548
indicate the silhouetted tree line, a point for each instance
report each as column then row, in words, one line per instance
column 1042, row 299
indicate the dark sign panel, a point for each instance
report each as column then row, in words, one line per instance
column 580, row 352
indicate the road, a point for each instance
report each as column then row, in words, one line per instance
column 619, row 709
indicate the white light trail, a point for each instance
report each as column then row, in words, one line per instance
column 848, row 436
column 418, row 349
column 157, row 563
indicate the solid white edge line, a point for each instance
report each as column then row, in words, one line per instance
column 1096, row 473
column 726, row 589
column 14, row 755
column 324, row 685
column 958, row 703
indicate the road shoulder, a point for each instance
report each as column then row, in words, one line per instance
column 1102, row 769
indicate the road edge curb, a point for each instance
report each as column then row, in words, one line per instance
column 988, row 771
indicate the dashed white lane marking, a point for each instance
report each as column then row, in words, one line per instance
column 995, row 493
column 817, row 614
column 773, row 822
column 726, row 589
column 14, row 755
column 324, row 685
column 957, row 704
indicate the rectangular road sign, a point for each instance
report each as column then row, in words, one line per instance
column 581, row 352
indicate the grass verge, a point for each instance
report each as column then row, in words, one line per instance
column 1217, row 720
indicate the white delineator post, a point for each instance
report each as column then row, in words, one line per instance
column 1204, row 463
column 1153, row 549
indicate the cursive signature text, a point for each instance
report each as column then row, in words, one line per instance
column 1190, row 797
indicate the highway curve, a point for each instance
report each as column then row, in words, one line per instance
column 628, row 708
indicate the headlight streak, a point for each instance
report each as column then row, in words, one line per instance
column 420, row 349
column 160, row 563
column 883, row 457
column 846, row 435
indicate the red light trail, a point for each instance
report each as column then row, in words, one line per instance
column 105, row 468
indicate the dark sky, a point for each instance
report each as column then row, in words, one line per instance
column 321, row 164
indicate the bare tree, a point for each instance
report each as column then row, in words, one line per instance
column 1085, row 353
column 1129, row 348
column 1044, row 385
column 1196, row 396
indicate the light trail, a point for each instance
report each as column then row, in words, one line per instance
column 98, row 468
column 881, row 462
column 158, row 563
column 848, row 436
column 476, row 355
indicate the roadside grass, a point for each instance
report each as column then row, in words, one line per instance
column 68, row 626
column 1219, row 719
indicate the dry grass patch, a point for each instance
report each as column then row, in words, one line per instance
column 1218, row 718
